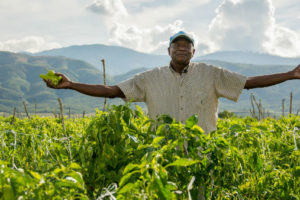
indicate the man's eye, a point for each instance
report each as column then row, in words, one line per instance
column 183, row 46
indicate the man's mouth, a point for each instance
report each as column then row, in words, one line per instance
column 181, row 54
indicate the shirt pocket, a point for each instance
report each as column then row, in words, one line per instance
column 200, row 100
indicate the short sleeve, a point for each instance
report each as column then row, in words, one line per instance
column 229, row 84
column 134, row 88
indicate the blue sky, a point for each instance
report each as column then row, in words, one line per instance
column 268, row 26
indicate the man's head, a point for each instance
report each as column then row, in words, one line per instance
column 181, row 34
column 181, row 48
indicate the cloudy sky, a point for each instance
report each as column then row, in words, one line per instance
column 268, row 26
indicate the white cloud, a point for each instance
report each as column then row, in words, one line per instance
column 148, row 29
column 161, row 12
column 285, row 4
column 250, row 25
column 150, row 40
column 30, row 44
column 241, row 24
column 112, row 8
column 146, row 25
column 283, row 42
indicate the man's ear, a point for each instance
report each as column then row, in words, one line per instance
column 194, row 52
column 169, row 50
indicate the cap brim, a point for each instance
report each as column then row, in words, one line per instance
column 182, row 36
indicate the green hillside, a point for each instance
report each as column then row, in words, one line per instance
column 20, row 81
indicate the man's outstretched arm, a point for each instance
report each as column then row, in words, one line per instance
column 88, row 89
column 272, row 79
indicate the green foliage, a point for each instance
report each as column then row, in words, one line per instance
column 122, row 153
column 226, row 114
column 20, row 81
column 50, row 76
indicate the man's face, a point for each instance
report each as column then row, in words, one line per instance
column 181, row 51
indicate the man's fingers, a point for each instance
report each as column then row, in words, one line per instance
column 49, row 84
column 58, row 74
column 64, row 77
column 62, row 82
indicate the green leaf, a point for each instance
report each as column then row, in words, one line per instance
column 52, row 77
column 68, row 182
column 163, row 192
column 125, row 178
column 221, row 142
column 183, row 162
column 156, row 141
column 166, row 119
column 257, row 161
column 75, row 166
column 297, row 172
column 130, row 167
column 197, row 129
column 127, row 188
column 191, row 121
column 35, row 175
column 76, row 176
column 8, row 193
column 171, row 186
column 139, row 111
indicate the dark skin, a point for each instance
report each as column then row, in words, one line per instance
column 181, row 52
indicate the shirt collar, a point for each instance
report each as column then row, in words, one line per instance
column 185, row 69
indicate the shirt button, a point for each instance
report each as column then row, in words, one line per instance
column 181, row 96
column 181, row 108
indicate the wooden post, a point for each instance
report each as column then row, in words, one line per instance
column 104, row 79
column 69, row 112
column 25, row 108
column 291, row 102
column 54, row 113
column 62, row 113
column 283, row 107
column 253, row 108
column 83, row 114
column 259, row 107
column 260, row 110
column 35, row 106
column 14, row 116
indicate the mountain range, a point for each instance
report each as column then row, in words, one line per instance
column 118, row 60
column 20, row 82
column 249, row 58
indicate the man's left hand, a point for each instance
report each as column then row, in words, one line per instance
column 296, row 72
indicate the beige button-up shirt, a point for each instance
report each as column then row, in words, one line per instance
column 195, row 92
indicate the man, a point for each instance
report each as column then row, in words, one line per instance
column 183, row 88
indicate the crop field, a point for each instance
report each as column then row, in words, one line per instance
column 122, row 154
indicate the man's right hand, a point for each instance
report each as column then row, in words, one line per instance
column 88, row 89
column 65, row 82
